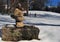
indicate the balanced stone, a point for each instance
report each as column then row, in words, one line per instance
column 19, row 24
column 19, row 18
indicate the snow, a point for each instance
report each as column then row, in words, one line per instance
column 43, row 12
column 42, row 20
column 49, row 31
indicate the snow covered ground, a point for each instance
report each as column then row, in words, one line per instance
column 49, row 25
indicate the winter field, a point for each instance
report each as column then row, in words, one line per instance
column 47, row 22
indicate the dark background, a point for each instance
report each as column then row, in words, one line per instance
column 41, row 5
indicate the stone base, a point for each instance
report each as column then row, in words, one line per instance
column 17, row 34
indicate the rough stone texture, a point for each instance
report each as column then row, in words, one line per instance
column 17, row 34
column 19, row 24
column 6, row 34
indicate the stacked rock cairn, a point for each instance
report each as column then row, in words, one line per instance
column 19, row 31
column 19, row 18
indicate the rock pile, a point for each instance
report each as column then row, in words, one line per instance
column 19, row 31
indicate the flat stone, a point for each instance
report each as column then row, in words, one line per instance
column 17, row 34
